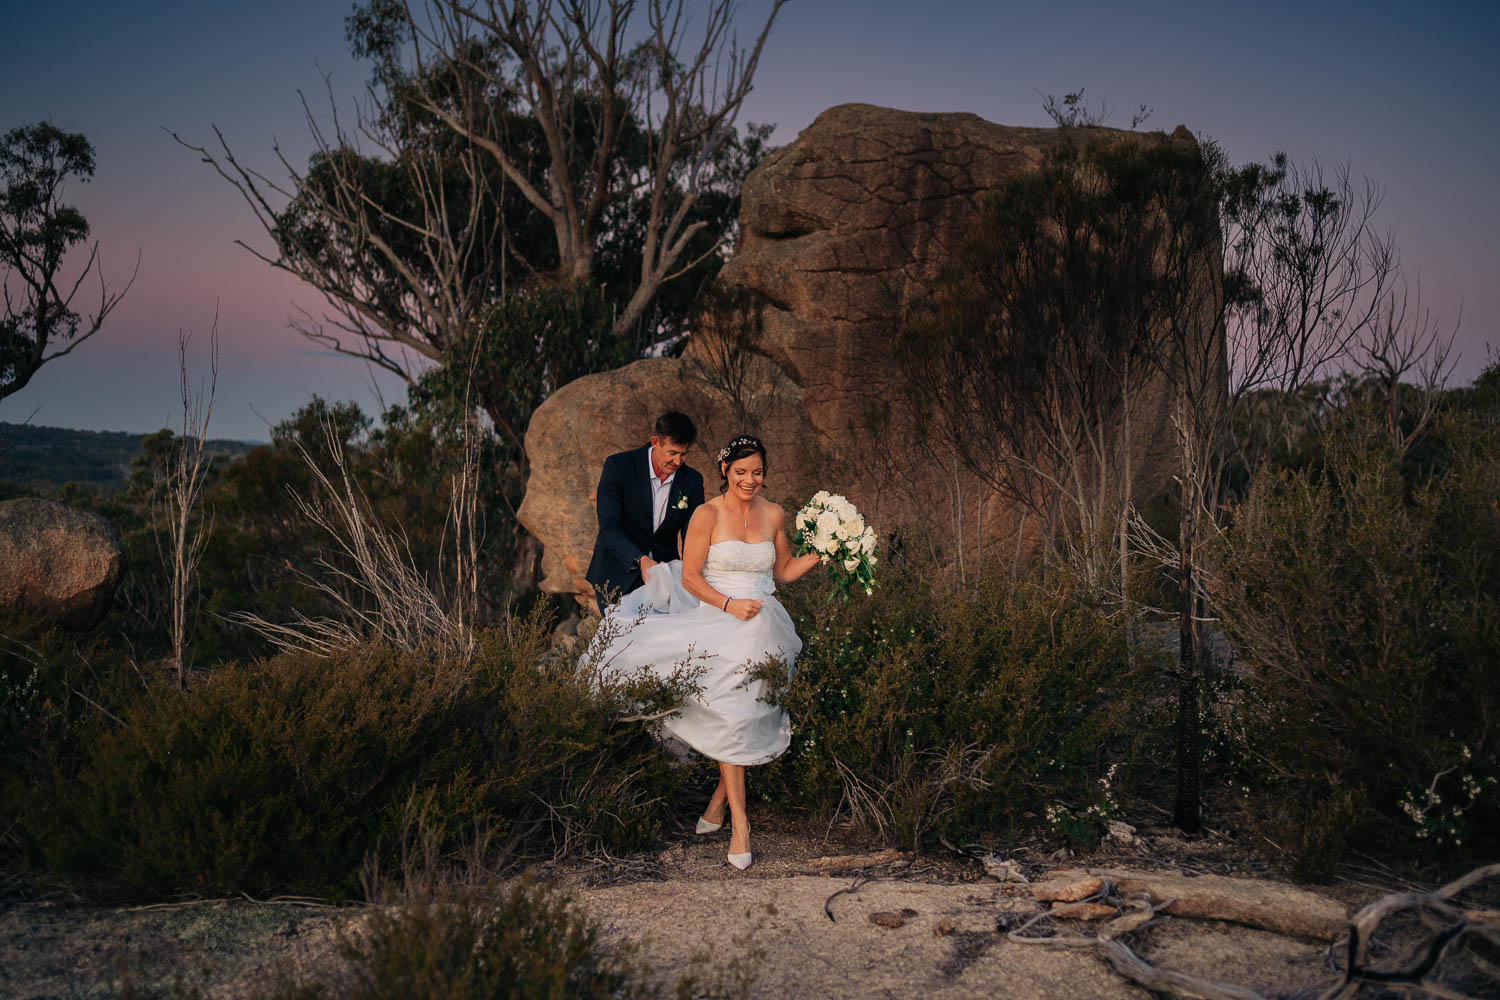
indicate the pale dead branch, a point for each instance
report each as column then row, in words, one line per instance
column 187, row 469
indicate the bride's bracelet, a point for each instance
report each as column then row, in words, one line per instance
column 725, row 608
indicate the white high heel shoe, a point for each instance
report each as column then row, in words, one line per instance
column 704, row 826
column 742, row 861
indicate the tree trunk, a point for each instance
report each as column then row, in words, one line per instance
column 1185, row 812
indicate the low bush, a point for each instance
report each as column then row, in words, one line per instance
column 58, row 693
column 284, row 775
column 956, row 710
column 518, row 942
column 1363, row 593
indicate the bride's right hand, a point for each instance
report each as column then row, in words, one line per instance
column 743, row 608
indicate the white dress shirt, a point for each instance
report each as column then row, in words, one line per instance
column 661, row 491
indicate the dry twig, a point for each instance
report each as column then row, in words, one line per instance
column 854, row 886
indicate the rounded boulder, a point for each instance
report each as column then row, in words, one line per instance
column 58, row 561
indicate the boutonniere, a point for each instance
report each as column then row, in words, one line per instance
column 682, row 502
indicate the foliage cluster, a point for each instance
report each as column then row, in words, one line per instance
column 286, row 774
column 39, row 318
column 1359, row 587
column 931, row 708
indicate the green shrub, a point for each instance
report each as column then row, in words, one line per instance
column 1364, row 595
column 57, row 693
column 521, row 942
column 956, row 710
column 285, row 774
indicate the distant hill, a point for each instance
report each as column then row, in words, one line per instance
column 101, row 459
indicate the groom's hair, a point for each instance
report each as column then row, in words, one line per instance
column 677, row 427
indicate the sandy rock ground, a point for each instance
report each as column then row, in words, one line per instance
column 903, row 926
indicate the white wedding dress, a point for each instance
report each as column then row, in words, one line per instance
column 660, row 625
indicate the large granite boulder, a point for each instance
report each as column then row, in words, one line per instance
column 841, row 231
column 58, row 561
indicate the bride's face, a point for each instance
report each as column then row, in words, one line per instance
column 746, row 476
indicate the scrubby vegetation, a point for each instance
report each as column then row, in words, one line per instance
column 940, row 709
column 1354, row 581
column 287, row 774
column 1362, row 591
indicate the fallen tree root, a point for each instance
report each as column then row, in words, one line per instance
column 1126, row 962
column 1446, row 926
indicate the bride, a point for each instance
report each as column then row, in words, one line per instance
column 717, row 604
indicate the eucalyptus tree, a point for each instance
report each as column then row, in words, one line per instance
column 37, row 230
column 501, row 148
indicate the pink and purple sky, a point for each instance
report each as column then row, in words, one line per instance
column 1404, row 92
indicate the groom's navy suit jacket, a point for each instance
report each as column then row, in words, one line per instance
column 624, row 504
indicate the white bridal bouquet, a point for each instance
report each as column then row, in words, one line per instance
column 830, row 526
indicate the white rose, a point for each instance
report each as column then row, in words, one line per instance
column 828, row 524
column 819, row 497
column 856, row 525
column 822, row 541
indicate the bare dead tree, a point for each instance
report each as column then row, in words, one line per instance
column 400, row 276
column 187, row 469
column 1407, row 356
column 578, row 76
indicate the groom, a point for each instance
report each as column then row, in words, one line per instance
column 645, row 499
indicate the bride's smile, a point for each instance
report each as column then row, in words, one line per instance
column 746, row 476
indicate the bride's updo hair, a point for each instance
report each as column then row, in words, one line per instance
column 736, row 449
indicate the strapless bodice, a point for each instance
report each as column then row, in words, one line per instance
column 741, row 569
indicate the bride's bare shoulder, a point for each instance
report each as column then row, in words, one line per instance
column 771, row 510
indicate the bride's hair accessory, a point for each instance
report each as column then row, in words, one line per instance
column 738, row 448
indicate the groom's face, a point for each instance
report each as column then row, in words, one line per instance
column 666, row 455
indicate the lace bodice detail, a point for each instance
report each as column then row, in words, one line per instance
column 741, row 569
